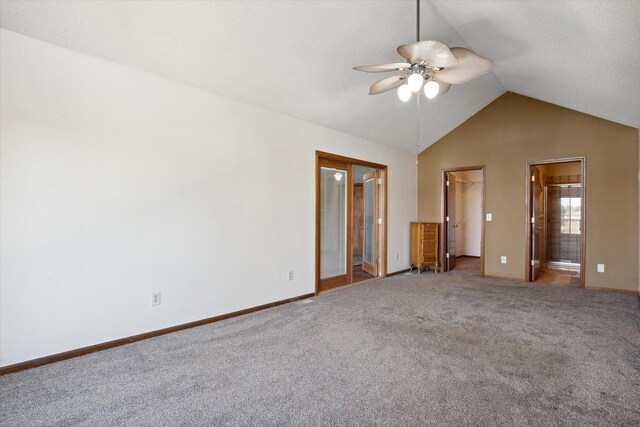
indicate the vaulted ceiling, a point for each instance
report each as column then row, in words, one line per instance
column 296, row 57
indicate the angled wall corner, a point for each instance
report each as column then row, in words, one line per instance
column 515, row 129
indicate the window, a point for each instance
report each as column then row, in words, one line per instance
column 570, row 209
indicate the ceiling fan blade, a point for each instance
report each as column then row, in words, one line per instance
column 444, row 88
column 396, row 66
column 428, row 52
column 470, row 65
column 387, row 84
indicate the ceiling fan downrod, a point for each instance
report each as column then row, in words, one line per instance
column 417, row 20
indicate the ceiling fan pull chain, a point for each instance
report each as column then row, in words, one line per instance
column 417, row 128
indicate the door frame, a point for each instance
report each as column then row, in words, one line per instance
column 376, row 227
column 533, row 223
column 382, row 231
column 583, row 213
column 443, row 212
column 353, row 246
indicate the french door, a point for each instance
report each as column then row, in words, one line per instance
column 335, row 223
column 335, row 198
column 371, row 219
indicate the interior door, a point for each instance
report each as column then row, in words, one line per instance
column 335, row 183
column 370, row 243
column 358, row 223
column 537, row 222
column 450, row 253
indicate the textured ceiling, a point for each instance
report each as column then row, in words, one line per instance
column 296, row 57
column 583, row 55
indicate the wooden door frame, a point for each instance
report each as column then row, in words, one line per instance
column 355, row 186
column 346, row 278
column 373, row 175
column 583, row 213
column 382, row 271
column 534, row 224
column 443, row 212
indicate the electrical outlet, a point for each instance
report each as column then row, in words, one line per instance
column 503, row 259
column 397, row 256
column 600, row 268
column 290, row 275
column 489, row 217
column 155, row 298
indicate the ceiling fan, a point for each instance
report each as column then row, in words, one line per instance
column 430, row 66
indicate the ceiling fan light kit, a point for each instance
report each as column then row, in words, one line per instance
column 404, row 92
column 414, row 81
column 431, row 66
column 431, row 89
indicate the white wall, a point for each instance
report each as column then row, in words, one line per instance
column 116, row 183
column 469, row 212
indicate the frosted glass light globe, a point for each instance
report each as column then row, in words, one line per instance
column 431, row 89
column 415, row 82
column 404, row 93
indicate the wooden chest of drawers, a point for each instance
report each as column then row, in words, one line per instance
column 425, row 245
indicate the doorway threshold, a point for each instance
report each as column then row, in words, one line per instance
column 565, row 266
column 343, row 287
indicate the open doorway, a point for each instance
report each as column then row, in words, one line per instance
column 350, row 221
column 463, row 219
column 365, row 208
column 555, row 222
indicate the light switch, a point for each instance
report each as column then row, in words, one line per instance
column 503, row 259
column 600, row 268
column 489, row 217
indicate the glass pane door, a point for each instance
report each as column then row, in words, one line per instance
column 370, row 254
column 369, row 229
column 333, row 222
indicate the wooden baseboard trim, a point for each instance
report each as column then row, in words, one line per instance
column 4, row 370
column 588, row 288
column 620, row 291
column 395, row 273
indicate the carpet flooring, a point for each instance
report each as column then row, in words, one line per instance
column 429, row 349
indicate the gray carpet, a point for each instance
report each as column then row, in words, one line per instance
column 446, row 349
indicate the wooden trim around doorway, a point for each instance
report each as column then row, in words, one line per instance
column 324, row 157
column 583, row 214
column 443, row 212
column 330, row 156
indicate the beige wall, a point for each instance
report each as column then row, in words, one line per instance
column 515, row 129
